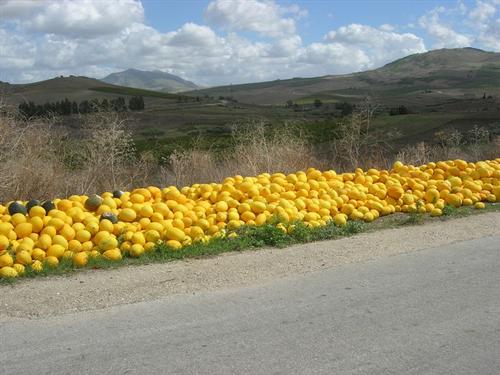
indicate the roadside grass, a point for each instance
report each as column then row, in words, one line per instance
column 272, row 234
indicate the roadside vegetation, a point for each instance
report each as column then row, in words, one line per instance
column 43, row 159
column 252, row 238
column 288, row 185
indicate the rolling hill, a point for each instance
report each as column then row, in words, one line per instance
column 442, row 89
column 74, row 88
column 150, row 80
column 419, row 79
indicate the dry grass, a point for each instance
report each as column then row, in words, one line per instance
column 28, row 157
column 41, row 159
column 359, row 145
column 476, row 144
column 255, row 149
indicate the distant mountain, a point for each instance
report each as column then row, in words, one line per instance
column 151, row 80
column 442, row 74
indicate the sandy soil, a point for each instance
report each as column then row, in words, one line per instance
column 98, row 289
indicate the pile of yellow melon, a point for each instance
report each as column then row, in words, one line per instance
column 113, row 225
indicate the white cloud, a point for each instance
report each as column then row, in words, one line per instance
column 380, row 45
column 264, row 17
column 191, row 34
column 482, row 18
column 344, row 58
column 15, row 51
column 13, row 9
column 77, row 18
column 490, row 35
column 482, row 12
column 43, row 39
column 444, row 34
column 387, row 27
column 285, row 47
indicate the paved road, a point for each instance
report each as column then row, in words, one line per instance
column 435, row 311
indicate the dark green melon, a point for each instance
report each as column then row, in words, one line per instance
column 110, row 216
column 48, row 205
column 32, row 203
column 17, row 208
column 93, row 202
column 117, row 193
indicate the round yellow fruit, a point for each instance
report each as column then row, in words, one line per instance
column 44, row 241
column 23, row 257
column 75, row 246
column 55, row 251
column 37, row 266
column 6, row 260
column 340, row 220
column 38, row 254
column 152, row 236
column 52, row 261
column 81, row 259
column 127, row 215
column 23, row 229
column 4, row 242
column 8, row 272
column 136, row 250
column 368, row 217
column 174, row 244
column 17, row 219
column 113, row 254
column 436, row 212
column 108, row 243
column 176, row 234
column 19, row 268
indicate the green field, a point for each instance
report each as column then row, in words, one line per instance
column 131, row 91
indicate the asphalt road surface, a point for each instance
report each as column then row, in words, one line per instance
column 435, row 311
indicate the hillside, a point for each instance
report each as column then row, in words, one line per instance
column 151, row 80
column 168, row 119
column 430, row 77
column 441, row 89
column 74, row 88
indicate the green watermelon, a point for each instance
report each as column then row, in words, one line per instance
column 17, row 208
column 110, row 216
column 32, row 203
column 93, row 202
column 48, row 206
column 117, row 193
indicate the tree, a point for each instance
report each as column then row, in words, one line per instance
column 118, row 104
column 24, row 109
column 318, row 103
column 401, row 110
column 95, row 106
column 105, row 105
column 84, row 107
column 346, row 109
column 136, row 103
column 65, row 107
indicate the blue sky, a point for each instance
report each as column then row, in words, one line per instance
column 323, row 15
column 232, row 41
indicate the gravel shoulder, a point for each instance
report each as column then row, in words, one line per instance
column 99, row 289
